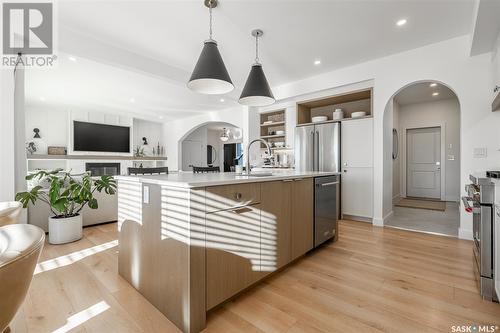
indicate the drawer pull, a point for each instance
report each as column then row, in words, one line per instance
column 238, row 195
column 287, row 180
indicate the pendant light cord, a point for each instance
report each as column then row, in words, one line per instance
column 210, row 11
column 257, row 60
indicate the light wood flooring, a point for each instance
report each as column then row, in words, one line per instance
column 371, row 280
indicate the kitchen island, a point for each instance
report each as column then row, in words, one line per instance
column 189, row 242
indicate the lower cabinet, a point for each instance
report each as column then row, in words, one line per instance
column 275, row 224
column 302, row 233
column 357, row 192
column 232, row 252
column 245, row 244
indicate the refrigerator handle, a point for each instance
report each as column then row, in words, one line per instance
column 316, row 148
column 313, row 150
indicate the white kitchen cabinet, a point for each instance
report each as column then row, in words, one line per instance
column 357, row 192
column 357, row 168
column 357, row 143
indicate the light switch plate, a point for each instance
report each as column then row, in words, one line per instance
column 145, row 194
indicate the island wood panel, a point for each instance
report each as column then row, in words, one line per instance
column 276, row 222
column 232, row 253
column 302, row 228
column 229, row 196
column 163, row 256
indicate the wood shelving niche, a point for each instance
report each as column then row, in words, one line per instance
column 273, row 128
column 349, row 103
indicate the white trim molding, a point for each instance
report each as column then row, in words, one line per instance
column 465, row 234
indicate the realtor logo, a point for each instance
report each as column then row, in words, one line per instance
column 28, row 28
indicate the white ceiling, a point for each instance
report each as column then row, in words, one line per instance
column 422, row 92
column 146, row 49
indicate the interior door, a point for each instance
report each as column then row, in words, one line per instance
column 328, row 146
column 304, row 148
column 423, row 167
column 192, row 155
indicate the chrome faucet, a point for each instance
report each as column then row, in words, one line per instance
column 248, row 152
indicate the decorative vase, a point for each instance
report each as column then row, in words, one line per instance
column 65, row 230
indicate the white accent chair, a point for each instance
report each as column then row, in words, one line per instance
column 20, row 248
column 9, row 212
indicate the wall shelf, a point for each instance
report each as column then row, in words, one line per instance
column 349, row 103
column 277, row 123
column 95, row 157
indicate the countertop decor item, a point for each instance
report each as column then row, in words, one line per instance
column 280, row 132
column 319, row 119
column 358, row 114
column 257, row 91
column 210, row 75
column 67, row 195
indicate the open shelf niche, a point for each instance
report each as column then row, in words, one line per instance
column 349, row 103
column 273, row 128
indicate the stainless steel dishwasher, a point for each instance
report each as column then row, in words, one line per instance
column 326, row 208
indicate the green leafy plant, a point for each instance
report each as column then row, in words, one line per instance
column 68, row 194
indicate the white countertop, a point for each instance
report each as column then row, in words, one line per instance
column 189, row 179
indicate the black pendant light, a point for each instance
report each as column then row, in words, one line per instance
column 257, row 91
column 210, row 75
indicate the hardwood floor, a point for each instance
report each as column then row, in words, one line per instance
column 371, row 280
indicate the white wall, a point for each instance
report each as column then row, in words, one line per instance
column 7, row 164
column 175, row 131
column 396, row 163
column 447, row 62
column 52, row 121
column 152, row 130
column 431, row 114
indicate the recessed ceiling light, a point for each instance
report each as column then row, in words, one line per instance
column 72, row 58
column 42, row 99
column 401, row 22
column 222, row 100
column 435, row 94
column 317, row 62
column 432, row 85
column 161, row 117
column 132, row 100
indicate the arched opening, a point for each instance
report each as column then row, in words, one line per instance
column 422, row 159
column 211, row 144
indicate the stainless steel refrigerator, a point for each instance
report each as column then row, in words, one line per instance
column 317, row 147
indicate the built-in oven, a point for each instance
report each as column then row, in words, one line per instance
column 480, row 202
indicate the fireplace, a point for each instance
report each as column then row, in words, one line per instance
column 103, row 169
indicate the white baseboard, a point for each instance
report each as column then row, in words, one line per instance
column 465, row 234
column 378, row 222
column 396, row 198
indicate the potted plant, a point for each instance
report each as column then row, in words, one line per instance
column 67, row 195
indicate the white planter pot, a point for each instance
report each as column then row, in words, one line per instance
column 65, row 230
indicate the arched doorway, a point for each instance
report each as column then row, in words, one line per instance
column 422, row 159
column 217, row 144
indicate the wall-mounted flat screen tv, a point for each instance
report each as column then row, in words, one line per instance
column 100, row 137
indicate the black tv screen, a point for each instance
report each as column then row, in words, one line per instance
column 100, row 137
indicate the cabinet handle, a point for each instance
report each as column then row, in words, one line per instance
column 330, row 184
column 297, row 179
column 287, row 180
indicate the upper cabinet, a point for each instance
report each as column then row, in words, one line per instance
column 358, row 101
column 357, row 143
